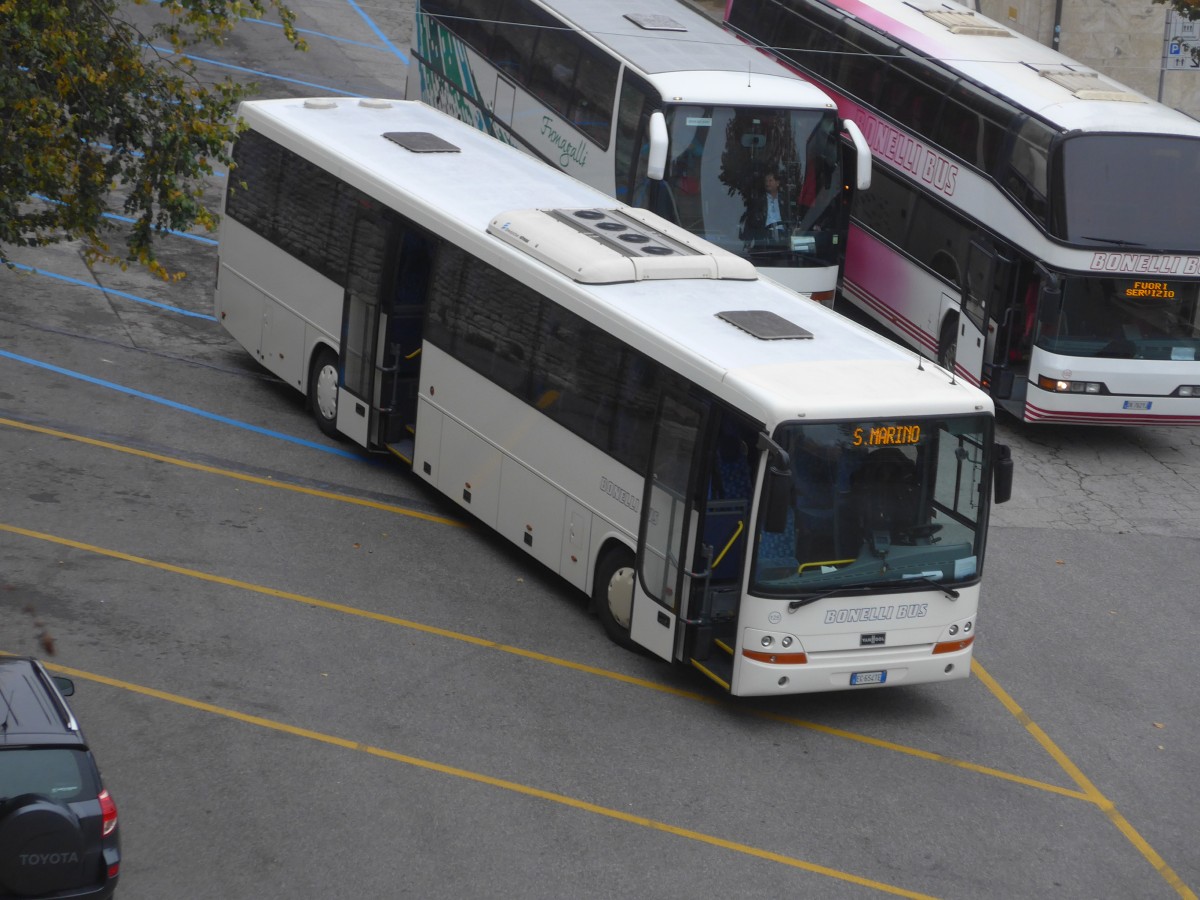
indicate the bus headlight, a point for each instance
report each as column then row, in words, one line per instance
column 767, row 640
column 1062, row 386
column 1188, row 390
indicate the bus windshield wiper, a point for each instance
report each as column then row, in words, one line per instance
column 925, row 579
column 1116, row 241
column 821, row 595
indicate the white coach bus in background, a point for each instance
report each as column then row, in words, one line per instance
column 656, row 105
column 753, row 486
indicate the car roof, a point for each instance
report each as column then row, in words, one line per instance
column 32, row 711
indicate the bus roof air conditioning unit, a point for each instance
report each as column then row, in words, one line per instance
column 960, row 21
column 605, row 246
column 1086, row 85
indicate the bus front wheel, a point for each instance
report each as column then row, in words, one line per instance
column 323, row 390
column 613, row 595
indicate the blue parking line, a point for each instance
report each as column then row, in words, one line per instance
column 251, row 20
column 115, row 217
column 171, row 231
column 382, row 37
column 257, row 72
column 320, row 34
column 183, row 407
column 126, row 296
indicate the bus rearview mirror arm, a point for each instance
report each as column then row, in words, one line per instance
column 656, row 165
column 862, row 152
column 777, row 486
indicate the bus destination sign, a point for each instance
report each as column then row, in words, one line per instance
column 1153, row 290
column 887, row 436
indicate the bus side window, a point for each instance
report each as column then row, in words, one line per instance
column 513, row 39
column 595, row 86
column 552, row 75
column 637, row 101
column 472, row 21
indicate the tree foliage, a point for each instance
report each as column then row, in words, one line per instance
column 1189, row 9
column 103, row 113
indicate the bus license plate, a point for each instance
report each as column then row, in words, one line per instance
column 868, row 677
column 1137, row 404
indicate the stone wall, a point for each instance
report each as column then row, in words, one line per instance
column 1121, row 38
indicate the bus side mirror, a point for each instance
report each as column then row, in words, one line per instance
column 777, row 497
column 862, row 154
column 1049, row 301
column 1002, row 474
column 659, row 140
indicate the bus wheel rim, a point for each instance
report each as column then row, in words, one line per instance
column 620, row 595
column 327, row 392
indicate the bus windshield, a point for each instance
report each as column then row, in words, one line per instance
column 1137, row 191
column 1124, row 318
column 878, row 502
column 716, row 183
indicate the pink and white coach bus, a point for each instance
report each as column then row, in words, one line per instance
column 1031, row 223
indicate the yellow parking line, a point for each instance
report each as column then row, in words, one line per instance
column 229, row 473
column 503, row 784
column 1088, row 791
column 534, row 655
column 1093, row 793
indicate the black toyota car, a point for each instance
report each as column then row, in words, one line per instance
column 58, row 824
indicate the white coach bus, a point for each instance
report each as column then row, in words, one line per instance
column 746, row 484
column 1031, row 223
column 656, row 105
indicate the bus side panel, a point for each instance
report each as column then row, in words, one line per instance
column 275, row 306
column 893, row 290
column 532, row 513
column 578, row 498
column 239, row 308
column 469, row 473
column 427, row 441
column 576, row 551
column 561, row 144
column 282, row 348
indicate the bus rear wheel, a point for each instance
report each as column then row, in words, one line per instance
column 323, row 391
column 612, row 595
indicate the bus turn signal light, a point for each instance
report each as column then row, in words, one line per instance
column 953, row 646
column 778, row 659
column 1061, row 386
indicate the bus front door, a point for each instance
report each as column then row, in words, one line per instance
column 381, row 331
column 667, row 533
column 972, row 325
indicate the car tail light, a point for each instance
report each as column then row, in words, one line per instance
column 108, row 813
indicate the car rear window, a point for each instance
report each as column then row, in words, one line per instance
column 60, row 773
